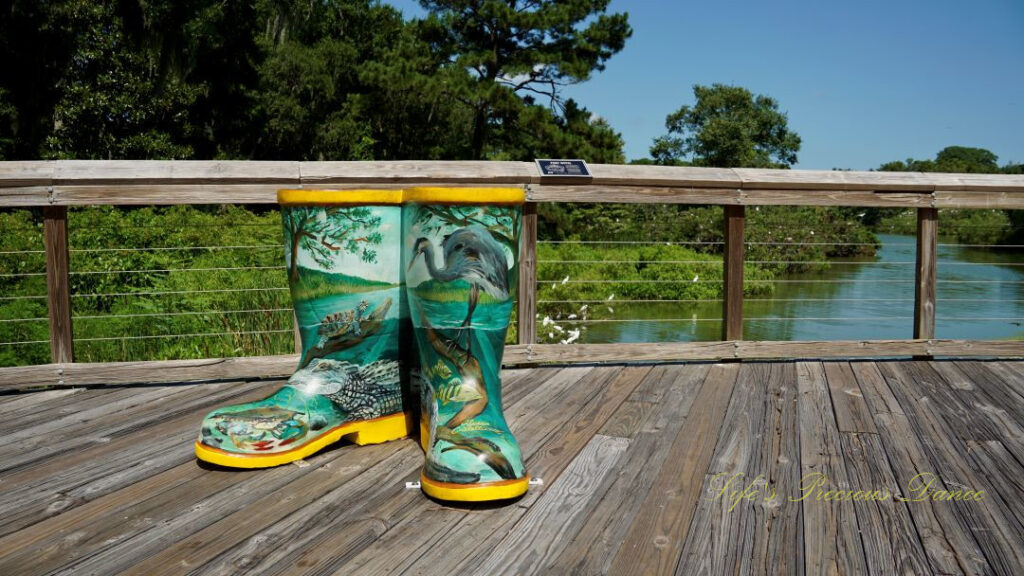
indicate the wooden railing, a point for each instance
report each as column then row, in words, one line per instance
column 56, row 185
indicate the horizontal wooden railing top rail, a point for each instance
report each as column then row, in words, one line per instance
column 127, row 182
column 57, row 185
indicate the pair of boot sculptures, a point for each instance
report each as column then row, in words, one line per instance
column 375, row 274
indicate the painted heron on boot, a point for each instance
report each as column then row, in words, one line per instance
column 471, row 254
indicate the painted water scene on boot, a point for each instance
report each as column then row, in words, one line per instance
column 461, row 274
column 343, row 272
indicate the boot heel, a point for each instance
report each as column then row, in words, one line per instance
column 383, row 429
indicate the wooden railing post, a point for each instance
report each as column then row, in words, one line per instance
column 528, row 276
column 55, row 238
column 732, row 276
column 924, row 280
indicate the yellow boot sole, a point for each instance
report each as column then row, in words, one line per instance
column 362, row 432
column 482, row 492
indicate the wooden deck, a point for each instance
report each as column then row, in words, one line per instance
column 634, row 461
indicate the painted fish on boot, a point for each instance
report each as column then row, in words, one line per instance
column 472, row 376
column 486, row 451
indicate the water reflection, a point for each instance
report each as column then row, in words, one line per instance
column 980, row 296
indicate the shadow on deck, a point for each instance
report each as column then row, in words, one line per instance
column 635, row 462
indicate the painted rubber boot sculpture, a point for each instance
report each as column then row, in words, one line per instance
column 343, row 259
column 460, row 254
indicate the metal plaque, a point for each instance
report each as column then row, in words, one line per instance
column 569, row 169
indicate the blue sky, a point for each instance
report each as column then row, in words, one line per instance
column 862, row 82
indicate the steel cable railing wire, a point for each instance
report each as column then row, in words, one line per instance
column 188, row 285
column 680, row 300
column 194, row 334
column 180, row 292
column 190, row 282
column 25, row 343
column 191, row 226
column 794, row 319
column 166, row 270
column 172, row 248
column 799, row 262
column 547, row 284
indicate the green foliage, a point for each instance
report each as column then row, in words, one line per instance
column 520, row 46
column 963, row 226
column 985, row 227
column 727, row 127
column 332, row 80
column 779, row 234
column 148, row 283
column 606, row 273
column 23, row 311
column 537, row 132
column 961, row 159
column 351, row 80
column 111, row 104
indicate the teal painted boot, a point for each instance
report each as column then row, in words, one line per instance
column 460, row 254
column 343, row 256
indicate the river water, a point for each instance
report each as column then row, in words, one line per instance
column 980, row 296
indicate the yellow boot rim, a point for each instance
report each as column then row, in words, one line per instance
column 454, row 195
column 368, row 197
column 420, row 195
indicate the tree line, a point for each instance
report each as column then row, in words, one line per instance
column 284, row 79
column 354, row 80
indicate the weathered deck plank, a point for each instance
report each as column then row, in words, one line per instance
column 66, row 480
column 851, row 410
column 891, row 542
column 779, row 539
column 949, row 545
column 540, row 535
column 628, row 454
column 994, row 458
column 591, row 550
column 658, row 532
column 37, row 401
column 948, row 425
column 723, row 522
column 832, row 544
